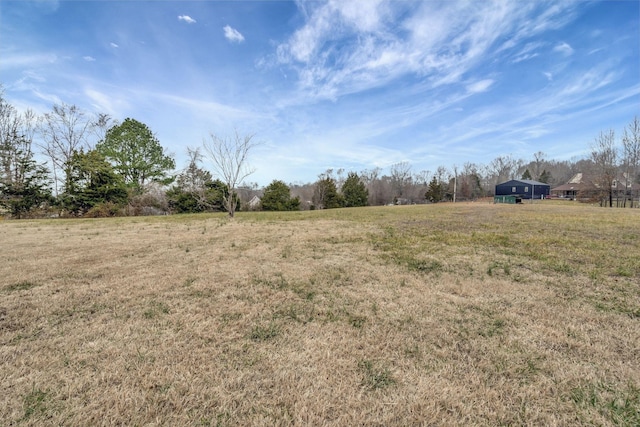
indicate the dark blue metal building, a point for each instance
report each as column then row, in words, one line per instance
column 524, row 189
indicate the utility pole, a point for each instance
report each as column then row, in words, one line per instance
column 455, row 182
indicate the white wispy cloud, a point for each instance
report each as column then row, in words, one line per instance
column 111, row 103
column 232, row 34
column 527, row 52
column 591, row 80
column 187, row 19
column 346, row 47
column 21, row 60
column 524, row 57
column 114, row 45
column 480, row 86
column 533, row 117
column 89, row 58
column 563, row 48
column 47, row 97
column 201, row 108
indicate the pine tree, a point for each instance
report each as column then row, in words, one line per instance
column 92, row 181
column 277, row 197
column 26, row 185
column 354, row 191
column 325, row 194
column 435, row 192
column 545, row 177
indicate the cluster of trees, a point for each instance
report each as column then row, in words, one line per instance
column 95, row 166
column 91, row 168
column 616, row 167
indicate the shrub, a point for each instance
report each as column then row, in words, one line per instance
column 104, row 210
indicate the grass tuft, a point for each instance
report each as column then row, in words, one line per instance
column 619, row 406
column 21, row 286
column 156, row 308
column 264, row 333
column 35, row 403
column 375, row 377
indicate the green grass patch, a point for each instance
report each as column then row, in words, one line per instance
column 620, row 406
column 375, row 377
column 21, row 286
column 424, row 265
column 264, row 333
column 493, row 328
column 35, row 403
column 156, row 308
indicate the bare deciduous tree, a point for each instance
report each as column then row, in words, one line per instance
column 539, row 159
column 9, row 128
column 400, row 178
column 101, row 125
column 631, row 158
column 64, row 131
column 503, row 168
column 604, row 156
column 229, row 157
column 376, row 186
column 16, row 138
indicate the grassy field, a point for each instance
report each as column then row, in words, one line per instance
column 465, row 314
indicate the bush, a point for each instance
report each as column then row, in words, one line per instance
column 152, row 202
column 104, row 210
column 277, row 197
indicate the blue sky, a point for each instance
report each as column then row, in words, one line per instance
column 336, row 84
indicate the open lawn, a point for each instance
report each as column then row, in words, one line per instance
column 465, row 314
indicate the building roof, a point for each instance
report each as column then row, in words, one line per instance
column 578, row 182
column 624, row 181
column 582, row 182
column 573, row 187
column 576, row 179
column 524, row 181
column 255, row 201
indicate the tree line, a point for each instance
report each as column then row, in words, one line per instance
column 94, row 166
column 612, row 167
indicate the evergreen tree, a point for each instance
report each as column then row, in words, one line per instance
column 92, row 182
column 325, row 194
column 435, row 192
column 194, row 190
column 545, row 177
column 526, row 175
column 354, row 191
column 136, row 155
column 24, row 184
column 209, row 198
column 277, row 197
column 28, row 189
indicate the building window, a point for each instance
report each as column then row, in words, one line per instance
column 526, row 189
column 513, row 189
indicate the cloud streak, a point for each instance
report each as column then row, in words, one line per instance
column 22, row 60
column 187, row 19
column 563, row 48
column 233, row 35
column 346, row 47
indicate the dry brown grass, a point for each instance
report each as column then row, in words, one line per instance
column 466, row 314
